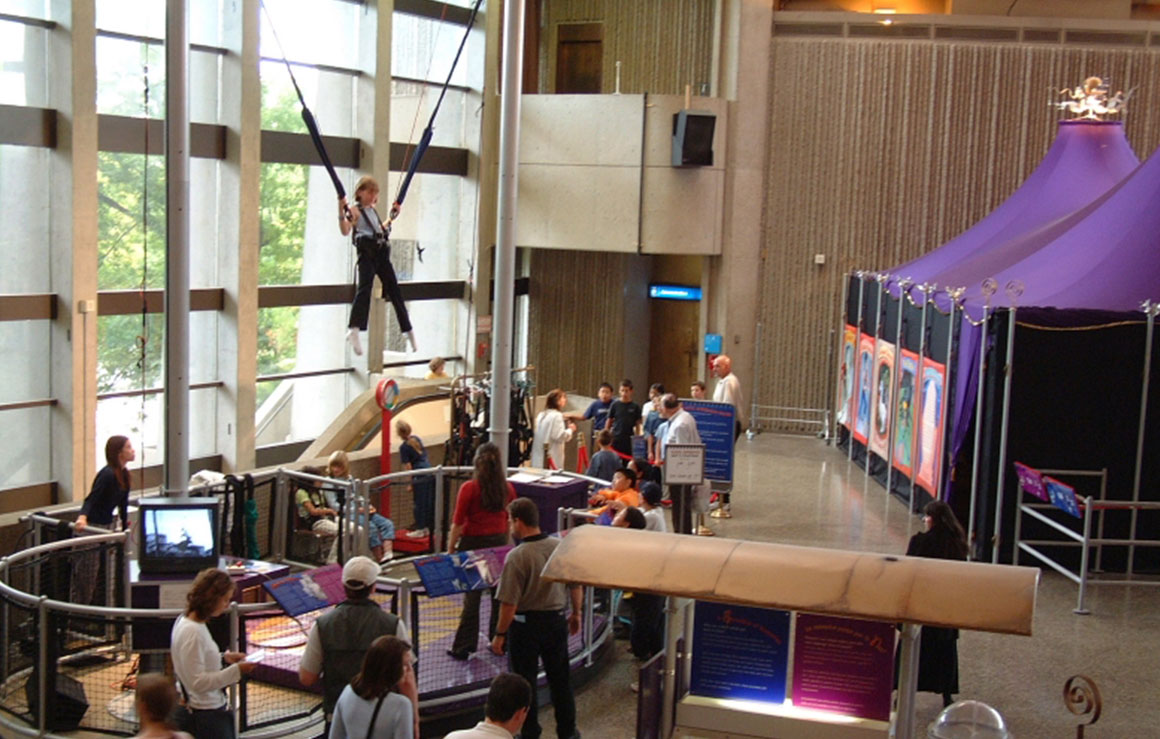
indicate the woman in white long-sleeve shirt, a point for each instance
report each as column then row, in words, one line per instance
column 552, row 430
column 198, row 663
column 369, row 708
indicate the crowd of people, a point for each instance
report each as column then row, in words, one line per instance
column 360, row 653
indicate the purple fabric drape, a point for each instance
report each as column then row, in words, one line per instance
column 1086, row 159
column 966, row 385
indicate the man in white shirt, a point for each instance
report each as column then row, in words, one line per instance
column 728, row 390
column 682, row 429
column 507, row 707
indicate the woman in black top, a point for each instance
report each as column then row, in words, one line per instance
column 109, row 494
column 938, row 657
column 110, row 489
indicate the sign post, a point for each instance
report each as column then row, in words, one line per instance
column 387, row 396
column 684, row 467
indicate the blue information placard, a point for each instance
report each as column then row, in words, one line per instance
column 740, row 652
column 445, row 574
column 715, row 425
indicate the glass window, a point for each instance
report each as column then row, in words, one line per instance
column 423, row 49
column 312, row 31
column 144, row 424
column 24, row 451
column 126, row 250
column 24, row 180
column 121, row 80
column 23, row 65
column 28, row 8
column 147, row 18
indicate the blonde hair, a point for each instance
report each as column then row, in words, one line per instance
column 338, row 458
column 366, row 182
column 436, row 364
column 403, row 428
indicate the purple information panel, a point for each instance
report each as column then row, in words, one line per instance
column 739, row 652
column 445, row 574
column 1031, row 480
column 843, row 665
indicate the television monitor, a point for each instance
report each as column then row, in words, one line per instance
column 693, row 138
column 178, row 535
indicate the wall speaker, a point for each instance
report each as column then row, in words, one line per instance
column 693, row 138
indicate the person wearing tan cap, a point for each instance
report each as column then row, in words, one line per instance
column 339, row 639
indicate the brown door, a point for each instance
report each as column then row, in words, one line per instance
column 579, row 58
column 674, row 350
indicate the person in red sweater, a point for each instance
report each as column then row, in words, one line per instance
column 480, row 520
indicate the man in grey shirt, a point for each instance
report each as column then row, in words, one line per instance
column 533, row 610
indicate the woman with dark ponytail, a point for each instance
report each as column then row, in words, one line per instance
column 109, row 494
column 480, row 521
column 938, row 657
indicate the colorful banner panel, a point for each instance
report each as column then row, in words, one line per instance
column 883, row 399
column 1062, row 496
column 930, row 425
column 740, row 652
column 907, row 412
column 865, row 387
column 1031, row 480
column 846, row 376
column 843, row 665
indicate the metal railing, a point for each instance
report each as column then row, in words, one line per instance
column 1093, row 512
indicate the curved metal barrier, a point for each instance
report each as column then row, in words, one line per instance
column 82, row 658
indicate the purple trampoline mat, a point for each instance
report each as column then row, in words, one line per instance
column 439, row 673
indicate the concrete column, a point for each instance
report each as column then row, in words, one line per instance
column 72, row 246
column 374, row 129
column 488, row 182
column 238, row 236
column 744, row 81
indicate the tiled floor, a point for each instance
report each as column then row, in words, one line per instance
column 798, row 490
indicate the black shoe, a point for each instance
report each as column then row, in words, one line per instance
column 459, row 654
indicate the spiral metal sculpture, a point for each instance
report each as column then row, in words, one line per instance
column 1082, row 698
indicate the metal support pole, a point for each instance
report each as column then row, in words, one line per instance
column 1080, row 609
column 672, row 637
column 42, row 665
column 1001, row 484
column 1100, row 525
column 907, row 680
column 752, row 430
column 235, row 645
column 841, row 356
column 880, row 279
column 946, row 455
column 278, row 539
column 177, row 246
column 505, row 250
column 971, row 550
column 405, row 608
column 590, row 622
column 895, row 386
column 437, row 529
column 1150, row 309
column 857, row 349
column 925, row 288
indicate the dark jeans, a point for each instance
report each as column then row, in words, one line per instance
column 423, row 489
column 211, row 724
column 376, row 260
column 622, row 444
column 544, row 635
column 682, row 495
column 648, row 625
column 467, row 635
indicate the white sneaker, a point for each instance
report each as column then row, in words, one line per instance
column 411, row 340
column 355, row 343
column 418, row 534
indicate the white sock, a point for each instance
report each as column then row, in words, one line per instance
column 355, row 343
column 411, row 340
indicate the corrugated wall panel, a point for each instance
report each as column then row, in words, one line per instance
column 575, row 335
column 662, row 44
column 883, row 150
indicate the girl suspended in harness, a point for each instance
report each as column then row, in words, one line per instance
column 374, row 258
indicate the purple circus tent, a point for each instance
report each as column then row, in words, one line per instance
column 1106, row 256
column 1084, row 171
column 1086, row 159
